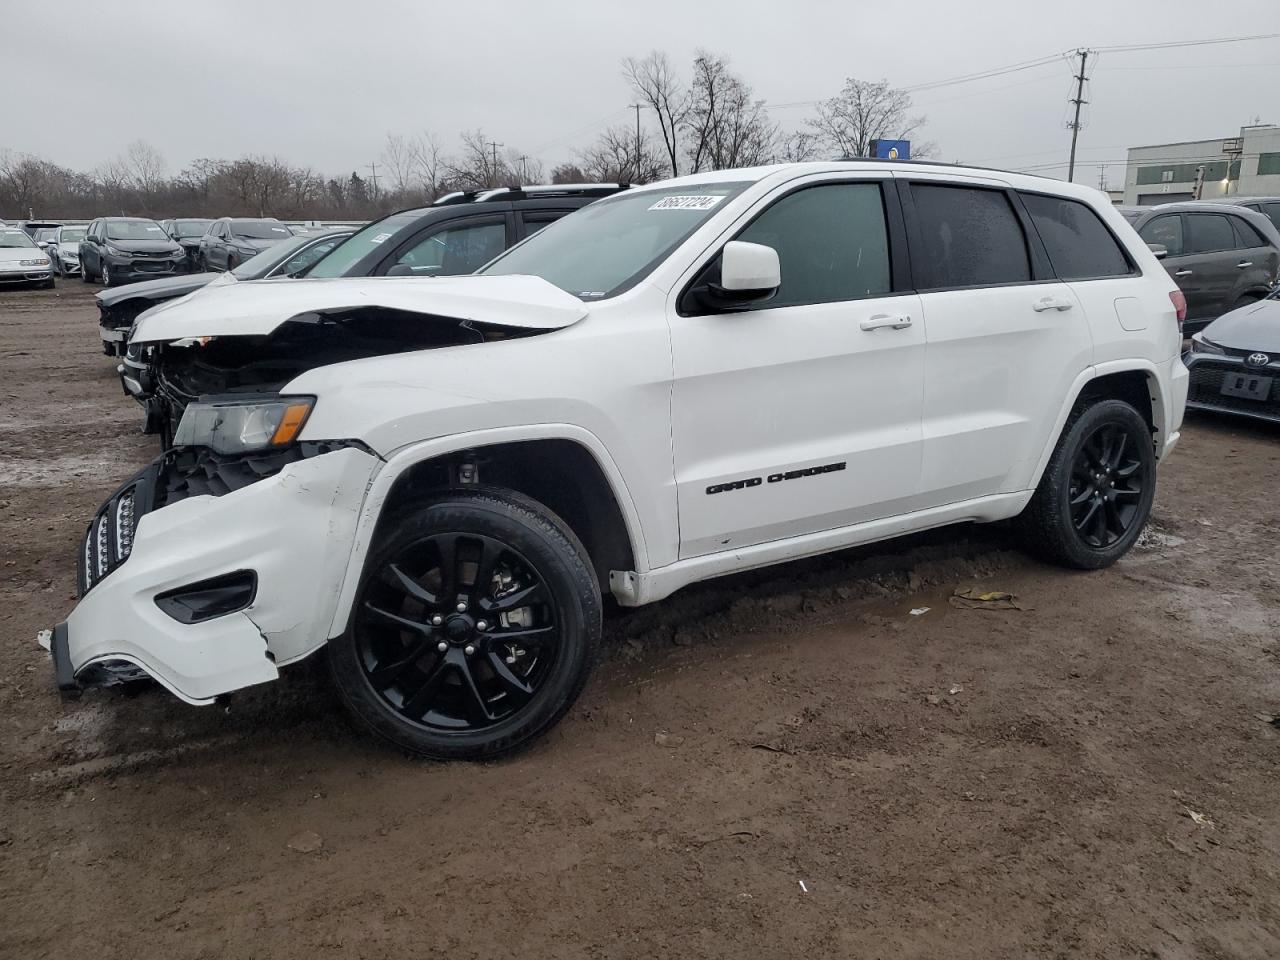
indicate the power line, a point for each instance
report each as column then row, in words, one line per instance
column 1174, row 44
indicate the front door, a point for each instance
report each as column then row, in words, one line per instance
column 803, row 413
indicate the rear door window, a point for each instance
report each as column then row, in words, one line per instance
column 1167, row 231
column 1209, row 233
column 1079, row 245
column 1272, row 211
column 970, row 237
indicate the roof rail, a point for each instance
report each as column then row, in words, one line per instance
column 519, row 192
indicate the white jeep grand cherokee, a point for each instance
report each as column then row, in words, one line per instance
column 437, row 479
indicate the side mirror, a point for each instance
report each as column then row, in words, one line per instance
column 42, row 244
column 749, row 274
column 1159, row 249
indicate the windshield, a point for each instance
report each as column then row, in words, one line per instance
column 45, row 233
column 71, row 234
column 258, row 266
column 612, row 244
column 360, row 244
column 15, row 238
column 260, row 229
column 190, row 228
column 134, row 230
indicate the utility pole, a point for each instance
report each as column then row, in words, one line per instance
column 636, row 171
column 494, row 145
column 1079, row 101
column 524, row 168
column 373, row 177
column 1102, row 177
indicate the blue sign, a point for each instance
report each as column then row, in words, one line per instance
column 891, row 149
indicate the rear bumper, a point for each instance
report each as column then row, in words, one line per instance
column 293, row 531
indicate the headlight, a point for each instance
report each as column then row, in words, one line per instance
column 247, row 251
column 36, row 262
column 114, row 251
column 1200, row 345
column 236, row 427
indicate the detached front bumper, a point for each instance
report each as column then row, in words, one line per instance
column 208, row 577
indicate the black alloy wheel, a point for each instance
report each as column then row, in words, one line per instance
column 1097, row 490
column 474, row 628
column 1106, row 486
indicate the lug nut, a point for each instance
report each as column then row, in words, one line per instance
column 437, row 620
column 462, row 606
column 482, row 625
column 468, row 649
column 442, row 646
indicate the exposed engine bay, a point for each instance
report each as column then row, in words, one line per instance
column 165, row 377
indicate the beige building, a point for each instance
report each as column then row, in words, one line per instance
column 1247, row 165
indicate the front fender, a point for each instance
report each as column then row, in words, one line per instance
column 405, row 458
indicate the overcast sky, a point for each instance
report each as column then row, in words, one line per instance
column 322, row 82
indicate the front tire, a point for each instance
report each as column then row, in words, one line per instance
column 474, row 629
column 1097, row 490
column 106, row 273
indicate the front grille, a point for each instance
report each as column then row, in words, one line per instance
column 144, row 267
column 108, row 541
column 1205, row 389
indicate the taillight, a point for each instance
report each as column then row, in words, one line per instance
column 1179, row 306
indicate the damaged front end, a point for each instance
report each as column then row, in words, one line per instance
column 206, row 591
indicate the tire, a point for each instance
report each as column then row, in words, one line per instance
column 231, row 264
column 1087, row 470
column 444, row 670
column 105, row 271
column 85, row 275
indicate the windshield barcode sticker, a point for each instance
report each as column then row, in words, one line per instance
column 686, row 203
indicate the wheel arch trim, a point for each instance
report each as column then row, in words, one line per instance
column 399, row 461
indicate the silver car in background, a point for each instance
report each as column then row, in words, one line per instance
column 64, row 250
column 21, row 260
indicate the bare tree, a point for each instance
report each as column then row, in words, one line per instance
column 568, row 173
column 655, row 83
column 428, row 159
column 864, row 111
column 145, row 167
column 618, row 157
column 399, row 160
column 727, row 126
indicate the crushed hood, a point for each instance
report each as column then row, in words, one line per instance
column 256, row 308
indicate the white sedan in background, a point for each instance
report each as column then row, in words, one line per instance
column 22, row 261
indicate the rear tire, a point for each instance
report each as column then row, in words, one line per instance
column 475, row 626
column 1097, row 489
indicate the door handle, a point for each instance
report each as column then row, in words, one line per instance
column 893, row 322
column 1050, row 303
column 1183, row 273
column 1244, row 263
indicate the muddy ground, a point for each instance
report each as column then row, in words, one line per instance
column 775, row 765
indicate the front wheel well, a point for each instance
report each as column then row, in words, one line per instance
column 562, row 475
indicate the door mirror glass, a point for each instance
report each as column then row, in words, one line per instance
column 1159, row 249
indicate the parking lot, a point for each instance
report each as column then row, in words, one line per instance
column 784, row 763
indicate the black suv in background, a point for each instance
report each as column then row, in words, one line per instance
column 187, row 232
column 118, row 250
column 1222, row 256
column 231, row 241
column 457, row 234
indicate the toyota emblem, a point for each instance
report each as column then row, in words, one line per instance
column 1257, row 359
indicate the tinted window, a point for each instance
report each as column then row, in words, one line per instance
column 1079, row 245
column 535, row 222
column 134, row 230
column 1165, row 230
column 462, row 248
column 831, row 241
column 362, row 243
column 971, row 238
column 1209, row 232
column 260, row 230
column 1272, row 210
column 1246, row 234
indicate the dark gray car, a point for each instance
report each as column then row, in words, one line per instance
column 117, row 309
column 1221, row 256
column 119, row 250
column 1235, row 362
column 231, row 241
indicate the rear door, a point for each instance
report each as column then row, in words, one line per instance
column 1211, row 253
column 1005, row 337
column 457, row 246
column 1256, row 263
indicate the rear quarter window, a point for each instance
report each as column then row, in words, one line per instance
column 1079, row 245
column 970, row 237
